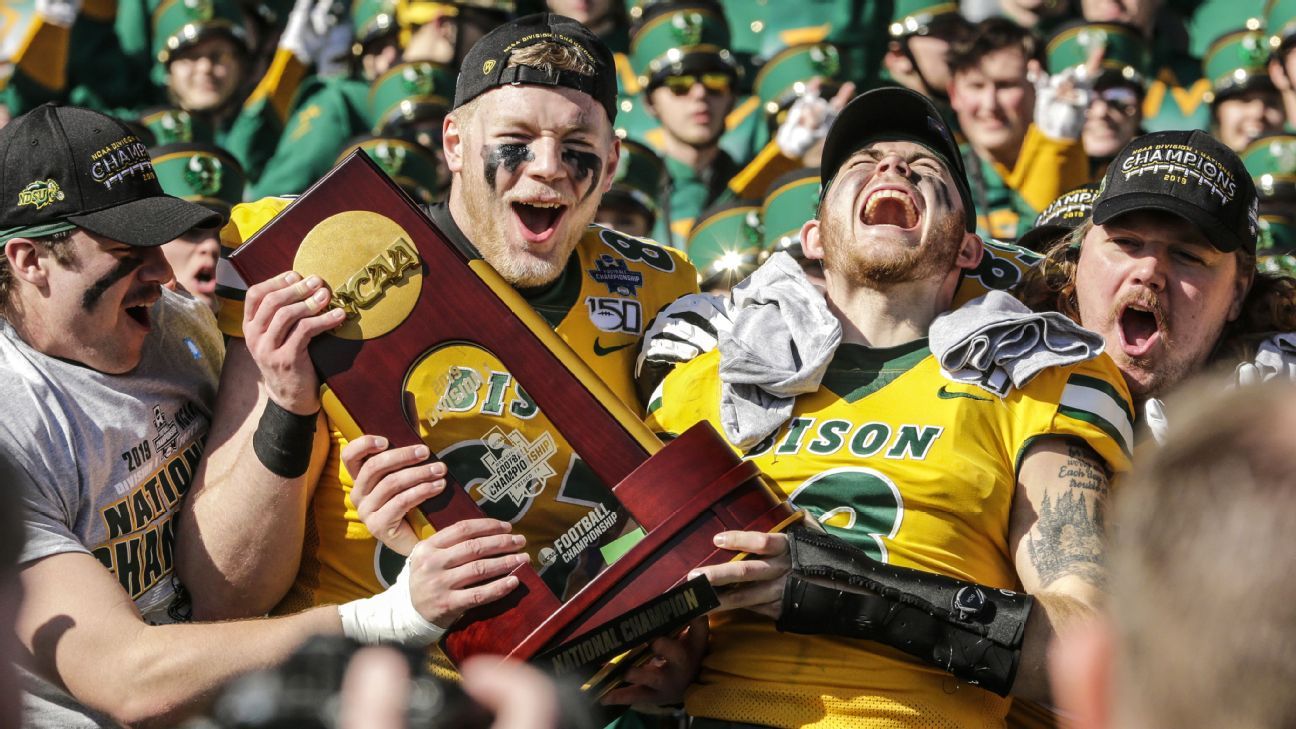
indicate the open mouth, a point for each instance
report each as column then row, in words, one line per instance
column 890, row 207
column 1140, row 327
column 140, row 314
column 205, row 280
column 538, row 220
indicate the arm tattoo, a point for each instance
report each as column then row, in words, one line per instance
column 1082, row 472
column 1069, row 538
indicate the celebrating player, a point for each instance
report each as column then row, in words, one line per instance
column 531, row 151
column 943, row 493
column 109, row 380
column 1165, row 269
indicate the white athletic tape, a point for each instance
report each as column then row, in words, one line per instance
column 389, row 617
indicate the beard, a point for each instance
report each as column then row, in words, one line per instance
column 862, row 264
column 491, row 220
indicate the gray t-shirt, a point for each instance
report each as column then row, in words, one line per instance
column 104, row 460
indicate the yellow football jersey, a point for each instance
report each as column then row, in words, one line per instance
column 484, row 425
column 494, row 439
column 1001, row 268
column 918, row 471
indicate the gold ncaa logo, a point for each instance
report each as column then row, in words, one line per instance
column 487, row 66
column 370, row 264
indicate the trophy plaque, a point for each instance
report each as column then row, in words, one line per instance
column 437, row 348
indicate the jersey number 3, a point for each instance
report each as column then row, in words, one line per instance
column 860, row 505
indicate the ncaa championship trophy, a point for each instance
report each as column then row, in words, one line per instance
column 431, row 338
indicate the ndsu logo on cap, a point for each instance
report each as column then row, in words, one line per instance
column 40, row 193
column 203, row 174
column 687, row 28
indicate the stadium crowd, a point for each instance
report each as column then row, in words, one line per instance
column 951, row 276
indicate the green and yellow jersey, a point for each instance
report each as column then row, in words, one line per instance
column 917, row 470
column 1002, row 267
column 475, row 416
column 1008, row 201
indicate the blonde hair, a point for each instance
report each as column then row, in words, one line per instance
column 547, row 56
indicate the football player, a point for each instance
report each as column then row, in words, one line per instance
column 530, row 159
column 942, row 499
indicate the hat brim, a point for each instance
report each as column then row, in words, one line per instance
column 147, row 222
column 1225, row 240
column 1042, row 237
column 907, row 115
column 693, row 61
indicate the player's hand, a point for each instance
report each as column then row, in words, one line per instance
column 674, row 665
column 280, row 317
column 390, row 483
column 685, row 329
column 755, row 583
column 463, row 566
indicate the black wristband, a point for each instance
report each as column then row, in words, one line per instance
column 283, row 440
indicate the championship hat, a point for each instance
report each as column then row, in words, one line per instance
column 895, row 113
column 673, row 38
column 1060, row 217
column 793, row 198
column 200, row 173
column 487, row 64
column 1236, row 62
column 725, row 244
column 1189, row 174
column 178, row 24
column 408, row 163
column 63, row 167
column 410, row 92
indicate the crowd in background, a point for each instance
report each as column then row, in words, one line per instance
column 242, row 99
column 722, row 112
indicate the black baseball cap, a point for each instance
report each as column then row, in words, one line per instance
column 487, row 63
column 63, row 167
column 895, row 113
column 1062, row 216
column 1189, row 174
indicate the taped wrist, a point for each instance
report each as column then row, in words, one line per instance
column 972, row 631
column 389, row 617
column 283, row 440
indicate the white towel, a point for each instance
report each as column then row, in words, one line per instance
column 783, row 338
column 996, row 342
column 1275, row 359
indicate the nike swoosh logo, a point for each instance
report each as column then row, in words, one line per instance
column 945, row 394
column 601, row 351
